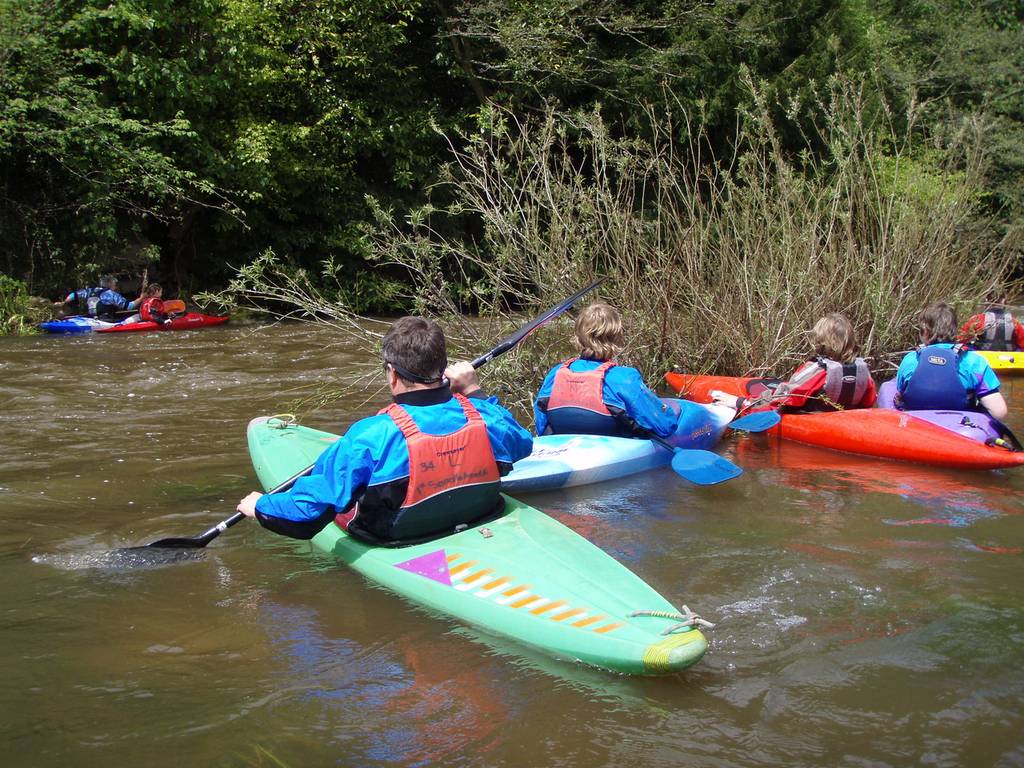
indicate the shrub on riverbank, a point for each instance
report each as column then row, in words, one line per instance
column 19, row 312
column 718, row 263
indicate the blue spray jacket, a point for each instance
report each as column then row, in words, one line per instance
column 373, row 452
column 111, row 301
column 624, row 389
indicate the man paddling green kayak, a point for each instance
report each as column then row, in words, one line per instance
column 425, row 466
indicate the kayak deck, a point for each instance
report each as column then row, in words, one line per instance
column 523, row 575
column 564, row 461
column 1004, row 363
column 75, row 324
column 875, row 432
column 183, row 323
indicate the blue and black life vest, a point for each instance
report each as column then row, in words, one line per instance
column 935, row 384
column 88, row 300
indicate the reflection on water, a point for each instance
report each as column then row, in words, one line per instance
column 868, row 612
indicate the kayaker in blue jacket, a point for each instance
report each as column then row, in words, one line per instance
column 590, row 394
column 944, row 375
column 100, row 301
column 86, row 298
column 425, row 465
column 110, row 301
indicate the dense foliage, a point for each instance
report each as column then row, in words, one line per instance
column 187, row 137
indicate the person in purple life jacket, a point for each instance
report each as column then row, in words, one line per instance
column 592, row 394
column 426, row 465
column 944, row 375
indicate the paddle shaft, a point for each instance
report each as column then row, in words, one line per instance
column 502, row 347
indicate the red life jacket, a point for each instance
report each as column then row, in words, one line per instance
column 453, row 480
column 152, row 309
column 576, row 403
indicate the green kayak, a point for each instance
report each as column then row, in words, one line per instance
column 522, row 575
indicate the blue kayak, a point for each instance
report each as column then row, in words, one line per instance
column 563, row 461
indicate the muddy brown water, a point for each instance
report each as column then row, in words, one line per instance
column 869, row 613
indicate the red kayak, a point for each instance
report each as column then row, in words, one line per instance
column 868, row 431
column 183, row 323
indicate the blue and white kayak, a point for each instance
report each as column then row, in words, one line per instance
column 563, row 461
column 75, row 324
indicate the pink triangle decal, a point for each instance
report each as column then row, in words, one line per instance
column 433, row 566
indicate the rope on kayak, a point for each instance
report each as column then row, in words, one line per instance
column 284, row 420
column 686, row 620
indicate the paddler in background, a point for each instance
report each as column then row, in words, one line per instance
column 425, row 466
column 834, row 379
column 995, row 329
column 87, row 298
column 591, row 394
column 98, row 301
column 944, row 375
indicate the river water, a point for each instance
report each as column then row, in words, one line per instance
column 869, row 613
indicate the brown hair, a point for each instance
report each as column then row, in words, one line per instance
column 834, row 338
column 599, row 332
column 937, row 323
column 416, row 346
column 151, row 289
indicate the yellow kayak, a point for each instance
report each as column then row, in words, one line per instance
column 1004, row 363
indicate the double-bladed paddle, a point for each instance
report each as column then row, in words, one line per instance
column 502, row 347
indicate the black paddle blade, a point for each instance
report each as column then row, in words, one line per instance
column 176, row 543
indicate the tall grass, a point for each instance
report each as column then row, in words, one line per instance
column 719, row 263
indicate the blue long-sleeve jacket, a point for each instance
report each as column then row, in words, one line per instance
column 624, row 389
column 373, row 452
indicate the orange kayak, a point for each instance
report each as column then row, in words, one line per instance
column 876, row 432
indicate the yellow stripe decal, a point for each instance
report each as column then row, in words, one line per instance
column 588, row 621
column 610, row 627
column 478, row 575
column 566, row 614
column 548, row 607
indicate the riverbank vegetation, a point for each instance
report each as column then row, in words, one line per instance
column 719, row 262
column 735, row 168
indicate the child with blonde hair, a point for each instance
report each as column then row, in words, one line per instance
column 834, row 379
column 592, row 394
